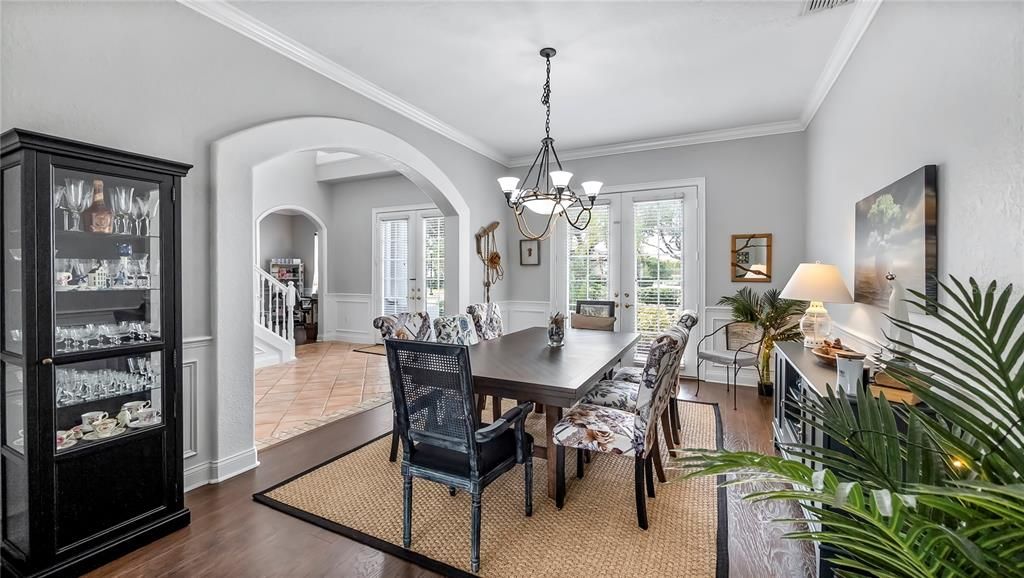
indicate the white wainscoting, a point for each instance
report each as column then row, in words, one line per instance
column 348, row 317
column 518, row 315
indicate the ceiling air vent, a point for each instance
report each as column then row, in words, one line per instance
column 812, row 6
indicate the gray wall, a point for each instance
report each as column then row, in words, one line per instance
column 754, row 185
column 929, row 83
column 351, row 251
column 302, row 246
column 275, row 238
column 160, row 79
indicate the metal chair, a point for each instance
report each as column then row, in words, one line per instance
column 735, row 360
column 414, row 326
column 441, row 439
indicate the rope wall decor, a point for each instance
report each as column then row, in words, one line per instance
column 486, row 249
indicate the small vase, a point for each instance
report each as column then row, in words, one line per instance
column 556, row 330
column 765, row 389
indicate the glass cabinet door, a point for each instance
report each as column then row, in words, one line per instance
column 107, row 334
column 12, row 375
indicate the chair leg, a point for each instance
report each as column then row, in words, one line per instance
column 495, row 408
column 649, row 475
column 394, row 440
column 658, row 468
column 586, row 456
column 697, row 393
column 666, row 429
column 559, row 476
column 528, row 466
column 735, row 386
column 641, row 498
column 674, row 414
column 579, row 463
column 407, row 512
column 474, row 558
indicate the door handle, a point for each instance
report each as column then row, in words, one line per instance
column 616, row 295
column 46, row 361
column 627, row 305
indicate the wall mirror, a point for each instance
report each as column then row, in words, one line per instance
column 751, row 258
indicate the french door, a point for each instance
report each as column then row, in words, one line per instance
column 409, row 262
column 641, row 251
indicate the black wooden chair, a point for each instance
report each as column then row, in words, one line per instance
column 442, row 440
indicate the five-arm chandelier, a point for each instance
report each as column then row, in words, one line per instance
column 549, row 193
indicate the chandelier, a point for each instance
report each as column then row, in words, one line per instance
column 549, row 193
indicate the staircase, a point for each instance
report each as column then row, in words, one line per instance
column 273, row 320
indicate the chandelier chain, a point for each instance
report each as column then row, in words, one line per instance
column 545, row 99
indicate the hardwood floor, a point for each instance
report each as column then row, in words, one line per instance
column 231, row 535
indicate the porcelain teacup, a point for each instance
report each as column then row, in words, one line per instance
column 149, row 416
column 90, row 417
column 104, row 427
column 133, row 407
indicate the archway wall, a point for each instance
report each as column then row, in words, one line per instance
column 236, row 159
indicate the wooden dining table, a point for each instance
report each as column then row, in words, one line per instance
column 522, row 367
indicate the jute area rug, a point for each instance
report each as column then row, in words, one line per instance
column 359, row 495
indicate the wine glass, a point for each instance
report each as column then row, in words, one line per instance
column 77, row 199
column 58, row 203
column 138, row 212
column 122, row 209
column 152, row 204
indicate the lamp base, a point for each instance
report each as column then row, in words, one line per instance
column 816, row 325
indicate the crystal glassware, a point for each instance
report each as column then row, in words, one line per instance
column 152, row 204
column 138, row 213
column 77, row 199
column 122, row 201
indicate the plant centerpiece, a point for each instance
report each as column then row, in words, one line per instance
column 775, row 318
column 928, row 490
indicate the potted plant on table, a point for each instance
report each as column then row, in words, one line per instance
column 927, row 490
column 776, row 319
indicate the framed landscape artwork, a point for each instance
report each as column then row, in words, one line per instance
column 896, row 232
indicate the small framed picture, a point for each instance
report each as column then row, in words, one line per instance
column 529, row 252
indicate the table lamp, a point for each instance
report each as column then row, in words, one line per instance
column 817, row 283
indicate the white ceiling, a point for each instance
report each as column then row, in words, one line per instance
column 625, row 71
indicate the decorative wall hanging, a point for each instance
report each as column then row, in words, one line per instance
column 529, row 252
column 751, row 258
column 896, row 232
column 550, row 193
column 488, row 253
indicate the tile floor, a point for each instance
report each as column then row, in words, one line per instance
column 327, row 381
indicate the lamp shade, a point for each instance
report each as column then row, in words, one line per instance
column 817, row 282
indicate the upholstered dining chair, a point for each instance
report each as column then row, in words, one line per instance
column 489, row 325
column 441, row 442
column 412, row 326
column 687, row 321
column 607, row 430
column 455, row 329
column 734, row 360
column 415, row 326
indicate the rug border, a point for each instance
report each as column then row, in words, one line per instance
column 721, row 539
column 364, row 352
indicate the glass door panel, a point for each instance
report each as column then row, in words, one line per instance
column 410, row 254
column 433, row 265
column 394, row 260
column 14, row 406
column 589, row 259
column 657, row 284
column 12, row 284
column 101, row 399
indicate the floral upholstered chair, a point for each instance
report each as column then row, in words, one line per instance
column 455, row 329
column 414, row 326
column 615, row 393
column 589, row 427
column 487, row 319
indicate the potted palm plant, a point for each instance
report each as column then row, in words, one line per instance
column 932, row 490
column 774, row 318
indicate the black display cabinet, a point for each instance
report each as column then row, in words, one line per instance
column 90, row 360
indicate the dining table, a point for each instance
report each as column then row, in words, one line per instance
column 521, row 366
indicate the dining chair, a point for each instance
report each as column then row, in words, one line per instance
column 432, row 385
column 607, row 430
column 455, row 329
column 734, row 360
column 489, row 325
column 595, row 315
column 411, row 326
column 687, row 321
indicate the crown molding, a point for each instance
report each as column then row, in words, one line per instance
column 863, row 13
column 710, row 136
column 239, row 21
column 231, row 17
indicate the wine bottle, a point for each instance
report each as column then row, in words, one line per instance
column 99, row 217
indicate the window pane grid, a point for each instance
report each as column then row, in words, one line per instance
column 658, row 227
column 588, row 259
column 394, row 239
column 433, row 261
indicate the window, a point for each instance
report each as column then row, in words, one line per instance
column 659, row 237
column 394, row 241
column 433, row 265
column 315, row 287
column 588, row 259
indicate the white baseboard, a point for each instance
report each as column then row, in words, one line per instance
column 348, row 317
column 217, row 471
column 350, row 336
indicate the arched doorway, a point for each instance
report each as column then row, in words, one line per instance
column 234, row 158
